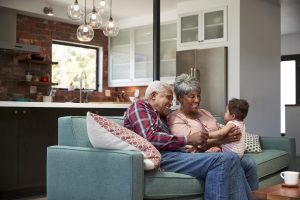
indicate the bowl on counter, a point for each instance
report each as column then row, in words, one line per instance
column 22, row 99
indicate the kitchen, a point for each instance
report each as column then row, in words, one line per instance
column 238, row 42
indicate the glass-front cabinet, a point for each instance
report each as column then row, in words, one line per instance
column 131, row 56
column 120, row 54
column 168, row 39
column 202, row 27
column 143, row 45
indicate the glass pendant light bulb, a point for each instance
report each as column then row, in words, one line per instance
column 103, row 7
column 102, row 3
column 85, row 33
column 94, row 19
column 74, row 11
column 111, row 28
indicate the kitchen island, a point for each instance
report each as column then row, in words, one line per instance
column 27, row 129
column 64, row 104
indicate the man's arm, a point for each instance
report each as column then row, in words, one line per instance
column 143, row 120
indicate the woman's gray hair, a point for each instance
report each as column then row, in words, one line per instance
column 184, row 84
column 156, row 86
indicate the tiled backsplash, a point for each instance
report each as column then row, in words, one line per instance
column 41, row 32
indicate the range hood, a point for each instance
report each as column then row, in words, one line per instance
column 8, row 21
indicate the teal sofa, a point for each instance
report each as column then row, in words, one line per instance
column 77, row 171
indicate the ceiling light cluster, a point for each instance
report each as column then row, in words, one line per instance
column 93, row 20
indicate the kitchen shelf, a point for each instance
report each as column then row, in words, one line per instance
column 38, row 62
column 214, row 25
column 36, row 83
column 190, row 28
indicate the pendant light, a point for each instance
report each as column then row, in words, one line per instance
column 74, row 11
column 94, row 19
column 103, row 6
column 85, row 32
column 111, row 27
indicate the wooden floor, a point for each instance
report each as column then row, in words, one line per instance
column 33, row 198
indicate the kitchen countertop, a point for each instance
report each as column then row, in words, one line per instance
column 65, row 105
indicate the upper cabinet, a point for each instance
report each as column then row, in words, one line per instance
column 131, row 56
column 143, row 54
column 168, row 38
column 202, row 27
column 120, row 54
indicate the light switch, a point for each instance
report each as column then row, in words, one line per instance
column 33, row 89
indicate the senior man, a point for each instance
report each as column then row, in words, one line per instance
column 224, row 177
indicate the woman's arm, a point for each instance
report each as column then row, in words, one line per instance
column 227, row 134
column 218, row 134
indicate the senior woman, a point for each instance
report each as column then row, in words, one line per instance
column 190, row 119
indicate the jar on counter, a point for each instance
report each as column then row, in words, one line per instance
column 39, row 97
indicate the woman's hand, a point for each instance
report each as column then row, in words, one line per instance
column 198, row 138
column 233, row 135
column 214, row 150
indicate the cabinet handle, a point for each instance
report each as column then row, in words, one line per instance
column 192, row 71
column 24, row 112
column 15, row 112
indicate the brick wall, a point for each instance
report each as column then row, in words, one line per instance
column 41, row 32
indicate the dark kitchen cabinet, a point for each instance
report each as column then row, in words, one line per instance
column 8, row 149
column 38, row 131
column 26, row 134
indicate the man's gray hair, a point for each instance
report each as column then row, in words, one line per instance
column 156, row 86
column 184, row 84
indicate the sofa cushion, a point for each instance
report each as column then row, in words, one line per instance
column 107, row 134
column 270, row 161
column 178, row 185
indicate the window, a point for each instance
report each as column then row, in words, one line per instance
column 77, row 62
column 289, row 84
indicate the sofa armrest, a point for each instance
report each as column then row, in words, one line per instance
column 87, row 173
column 284, row 143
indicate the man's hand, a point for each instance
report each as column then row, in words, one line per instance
column 190, row 148
column 199, row 138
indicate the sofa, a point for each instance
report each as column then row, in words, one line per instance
column 77, row 171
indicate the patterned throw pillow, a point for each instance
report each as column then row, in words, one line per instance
column 252, row 143
column 107, row 134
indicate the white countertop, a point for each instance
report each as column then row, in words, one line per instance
column 64, row 105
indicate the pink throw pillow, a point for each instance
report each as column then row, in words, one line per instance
column 107, row 134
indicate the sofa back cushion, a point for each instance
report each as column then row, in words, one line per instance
column 72, row 130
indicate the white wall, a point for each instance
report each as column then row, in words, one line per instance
column 290, row 44
column 260, row 65
column 233, row 34
column 292, row 114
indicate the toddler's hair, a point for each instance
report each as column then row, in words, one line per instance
column 238, row 107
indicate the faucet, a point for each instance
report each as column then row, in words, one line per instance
column 80, row 89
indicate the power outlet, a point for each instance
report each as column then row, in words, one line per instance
column 107, row 93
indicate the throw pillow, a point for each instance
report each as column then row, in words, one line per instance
column 107, row 134
column 252, row 143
